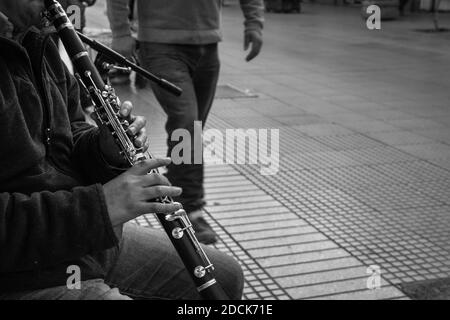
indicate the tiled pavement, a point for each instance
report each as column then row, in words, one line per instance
column 364, row 155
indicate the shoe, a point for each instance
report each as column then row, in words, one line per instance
column 203, row 231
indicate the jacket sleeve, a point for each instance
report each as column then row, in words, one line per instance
column 118, row 12
column 254, row 14
column 86, row 154
column 47, row 228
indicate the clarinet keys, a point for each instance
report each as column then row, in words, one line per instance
column 178, row 233
column 199, row 271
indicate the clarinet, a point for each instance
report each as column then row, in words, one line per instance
column 107, row 105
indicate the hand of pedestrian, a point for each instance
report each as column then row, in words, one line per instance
column 132, row 193
column 254, row 39
column 125, row 45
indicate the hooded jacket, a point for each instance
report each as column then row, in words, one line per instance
column 52, row 208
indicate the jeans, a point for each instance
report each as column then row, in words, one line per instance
column 144, row 266
column 195, row 69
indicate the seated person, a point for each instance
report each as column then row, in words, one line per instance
column 64, row 204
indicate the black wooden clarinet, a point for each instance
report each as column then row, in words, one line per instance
column 106, row 103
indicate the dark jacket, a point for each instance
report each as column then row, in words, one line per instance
column 52, row 208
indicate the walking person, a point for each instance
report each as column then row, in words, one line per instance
column 179, row 42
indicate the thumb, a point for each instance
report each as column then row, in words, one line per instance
column 144, row 167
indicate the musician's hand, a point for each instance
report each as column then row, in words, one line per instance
column 136, row 132
column 253, row 38
column 130, row 194
column 126, row 46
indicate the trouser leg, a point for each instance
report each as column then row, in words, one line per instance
column 148, row 267
column 195, row 69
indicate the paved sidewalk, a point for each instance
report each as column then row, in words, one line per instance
column 364, row 154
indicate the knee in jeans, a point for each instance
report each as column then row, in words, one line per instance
column 238, row 281
column 231, row 277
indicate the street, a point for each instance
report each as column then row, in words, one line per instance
column 363, row 188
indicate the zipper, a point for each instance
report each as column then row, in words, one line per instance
column 39, row 80
column 48, row 137
column 47, row 119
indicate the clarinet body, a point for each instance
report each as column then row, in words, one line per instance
column 106, row 105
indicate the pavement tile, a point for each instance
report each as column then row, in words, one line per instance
column 271, row 225
column 313, row 267
column 286, row 230
column 291, row 249
column 244, row 221
column 297, row 258
column 327, row 289
column 284, row 241
column 385, row 293
column 324, row 276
